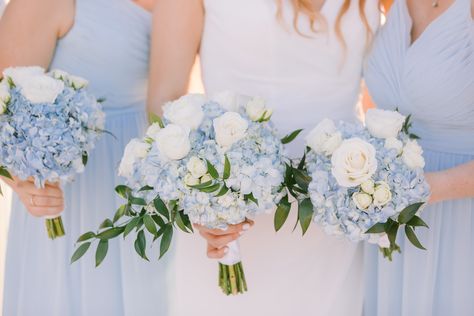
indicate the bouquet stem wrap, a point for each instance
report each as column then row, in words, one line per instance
column 54, row 227
column 231, row 272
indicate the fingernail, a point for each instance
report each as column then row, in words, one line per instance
column 246, row 227
column 226, row 250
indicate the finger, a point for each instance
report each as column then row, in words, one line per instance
column 46, row 201
column 215, row 253
column 54, row 192
column 45, row 211
column 220, row 241
column 231, row 229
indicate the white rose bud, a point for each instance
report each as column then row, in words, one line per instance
column 206, row 178
column 189, row 180
column 324, row 138
column 135, row 150
column 413, row 155
column 5, row 96
column 173, row 142
column 368, row 186
column 78, row 82
column 153, row 131
column 384, row 242
column 186, row 111
column 41, row 89
column 362, row 200
column 354, row 162
column 394, row 143
column 230, row 127
column 60, row 75
column 382, row 194
column 196, row 167
column 384, row 124
column 257, row 111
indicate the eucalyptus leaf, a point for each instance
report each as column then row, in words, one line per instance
column 412, row 238
column 106, row 224
column 376, row 229
column 146, row 188
column 180, row 223
column 166, row 240
column 158, row 220
column 111, row 233
column 123, row 191
column 101, row 252
column 137, row 201
column 223, row 191
column 212, row 170
column 80, row 251
column 202, row 185
column 291, row 137
column 160, row 206
column 407, row 214
column 226, row 168
column 140, row 245
column 305, row 214
column 302, row 179
column 130, row 226
column 417, row 222
column 86, row 236
column 212, row 188
column 281, row 213
column 121, row 211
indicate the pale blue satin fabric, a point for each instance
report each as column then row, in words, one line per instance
column 108, row 45
column 432, row 79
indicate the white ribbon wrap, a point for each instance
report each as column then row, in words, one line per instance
column 233, row 255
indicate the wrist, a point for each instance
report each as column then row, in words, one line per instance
column 434, row 180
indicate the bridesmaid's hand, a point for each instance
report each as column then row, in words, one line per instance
column 217, row 239
column 39, row 202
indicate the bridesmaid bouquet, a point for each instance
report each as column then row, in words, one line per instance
column 363, row 182
column 48, row 124
column 201, row 164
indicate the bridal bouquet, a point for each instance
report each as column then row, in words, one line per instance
column 201, row 164
column 48, row 124
column 363, row 182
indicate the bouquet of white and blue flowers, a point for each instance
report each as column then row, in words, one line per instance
column 48, row 124
column 363, row 182
column 203, row 163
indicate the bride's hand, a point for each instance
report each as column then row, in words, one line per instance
column 39, row 202
column 217, row 239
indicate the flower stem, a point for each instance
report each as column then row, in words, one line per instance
column 232, row 279
column 55, row 227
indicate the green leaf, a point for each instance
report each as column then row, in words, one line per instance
column 305, row 214
column 146, row 188
column 123, row 191
column 376, row 229
column 101, row 252
column 106, row 224
column 150, row 224
column 80, row 251
column 138, row 201
column 166, row 240
column 291, row 137
column 121, row 211
column 158, row 220
column 212, row 188
column 391, row 227
column 417, row 222
column 212, row 170
column 180, row 222
column 281, row 213
column 202, row 185
column 186, row 221
column 130, row 226
column 407, row 214
column 250, row 197
column 110, row 233
column 153, row 118
column 140, row 245
column 85, row 158
column 101, row 100
column 4, row 173
column 226, row 168
column 302, row 162
column 86, row 236
column 412, row 238
column 160, row 206
column 223, row 191
column 302, row 179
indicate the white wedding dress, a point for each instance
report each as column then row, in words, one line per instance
column 247, row 49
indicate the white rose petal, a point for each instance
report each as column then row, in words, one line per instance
column 19, row 74
column 413, row 155
column 135, row 150
column 257, row 111
column 354, row 162
column 362, row 200
column 196, row 167
column 153, row 131
column 229, row 100
column 189, row 180
column 382, row 194
column 186, row 111
column 394, row 143
column 384, row 124
column 230, row 127
column 368, row 186
column 324, row 138
column 41, row 89
column 173, row 141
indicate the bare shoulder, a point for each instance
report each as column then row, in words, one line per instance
column 472, row 8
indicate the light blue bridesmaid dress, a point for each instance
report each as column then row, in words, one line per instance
column 433, row 79
column 108, row 45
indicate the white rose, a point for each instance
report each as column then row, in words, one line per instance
column 189, row 180
column 186, row 111
column 413, row 155
column 135, row 149
column 78, row 82
column 230, row 127
column 78, row 165
column 173, row 141
column 228, row 100
column 257, row 111
column 368, row 186
column 384, row 124
column 153, row 130
column 197, row 167
column 353, row 162
column 19, row 74
column 324, row 138
column 382, row 194
column 384, row 242
column 206, row 178
column 394, row 143
column 60, row 75
column 41, row 89
column 362, row 200
column 4, row 96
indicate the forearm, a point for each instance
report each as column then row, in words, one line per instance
column 454, row 183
